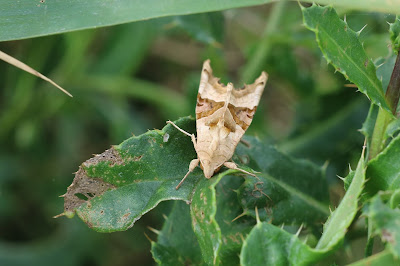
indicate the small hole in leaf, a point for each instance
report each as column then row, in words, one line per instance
column 81, row 196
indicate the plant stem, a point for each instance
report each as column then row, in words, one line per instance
column 378, row 136
column 255, row 64
column 370, row 240
column 383, row 119
column 393, row 90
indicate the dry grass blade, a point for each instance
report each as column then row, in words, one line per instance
column 11, row 60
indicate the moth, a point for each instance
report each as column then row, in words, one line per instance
column 223, row 114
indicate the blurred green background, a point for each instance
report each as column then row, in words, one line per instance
column 130, row 78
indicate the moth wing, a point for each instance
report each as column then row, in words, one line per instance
column 244, row 102
column 210, row 87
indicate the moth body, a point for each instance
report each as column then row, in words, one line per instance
column 223, row 114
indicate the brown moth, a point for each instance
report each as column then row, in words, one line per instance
column 223, row 114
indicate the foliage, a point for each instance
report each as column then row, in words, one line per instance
column 133, row 77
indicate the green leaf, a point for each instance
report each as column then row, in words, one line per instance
column 287, row 191
column 130, row 179
column 394, row 32
column 176, row 243
column 342, row 48
column 379, row 259
column 383, row 171
column 270, row 245
column 336, row 226
column 385, row 222
column 26, row 19
column 114, row 189
column 234, row 226
column 203, row 209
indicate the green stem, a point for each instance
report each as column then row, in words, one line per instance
column 384, row 118
column 255, row 64
column 370, row 240
column 393, row 90
column 378, row 136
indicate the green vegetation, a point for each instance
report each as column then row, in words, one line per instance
column 128, row 79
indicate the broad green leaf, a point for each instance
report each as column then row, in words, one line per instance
column 203, row 209
column 342, row 48
column 234, row 226
column 114, row 189
column 385, row 222
column 395, row 34
column 336, row 226
column 130, row 179
column 270, row 245
column 287, row 191
column 379, row 259
column 25, row 19
column 176, row 243
column 383, row 171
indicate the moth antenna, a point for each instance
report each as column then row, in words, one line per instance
column 178, row 128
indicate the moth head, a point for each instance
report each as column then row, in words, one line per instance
column 207, row 169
